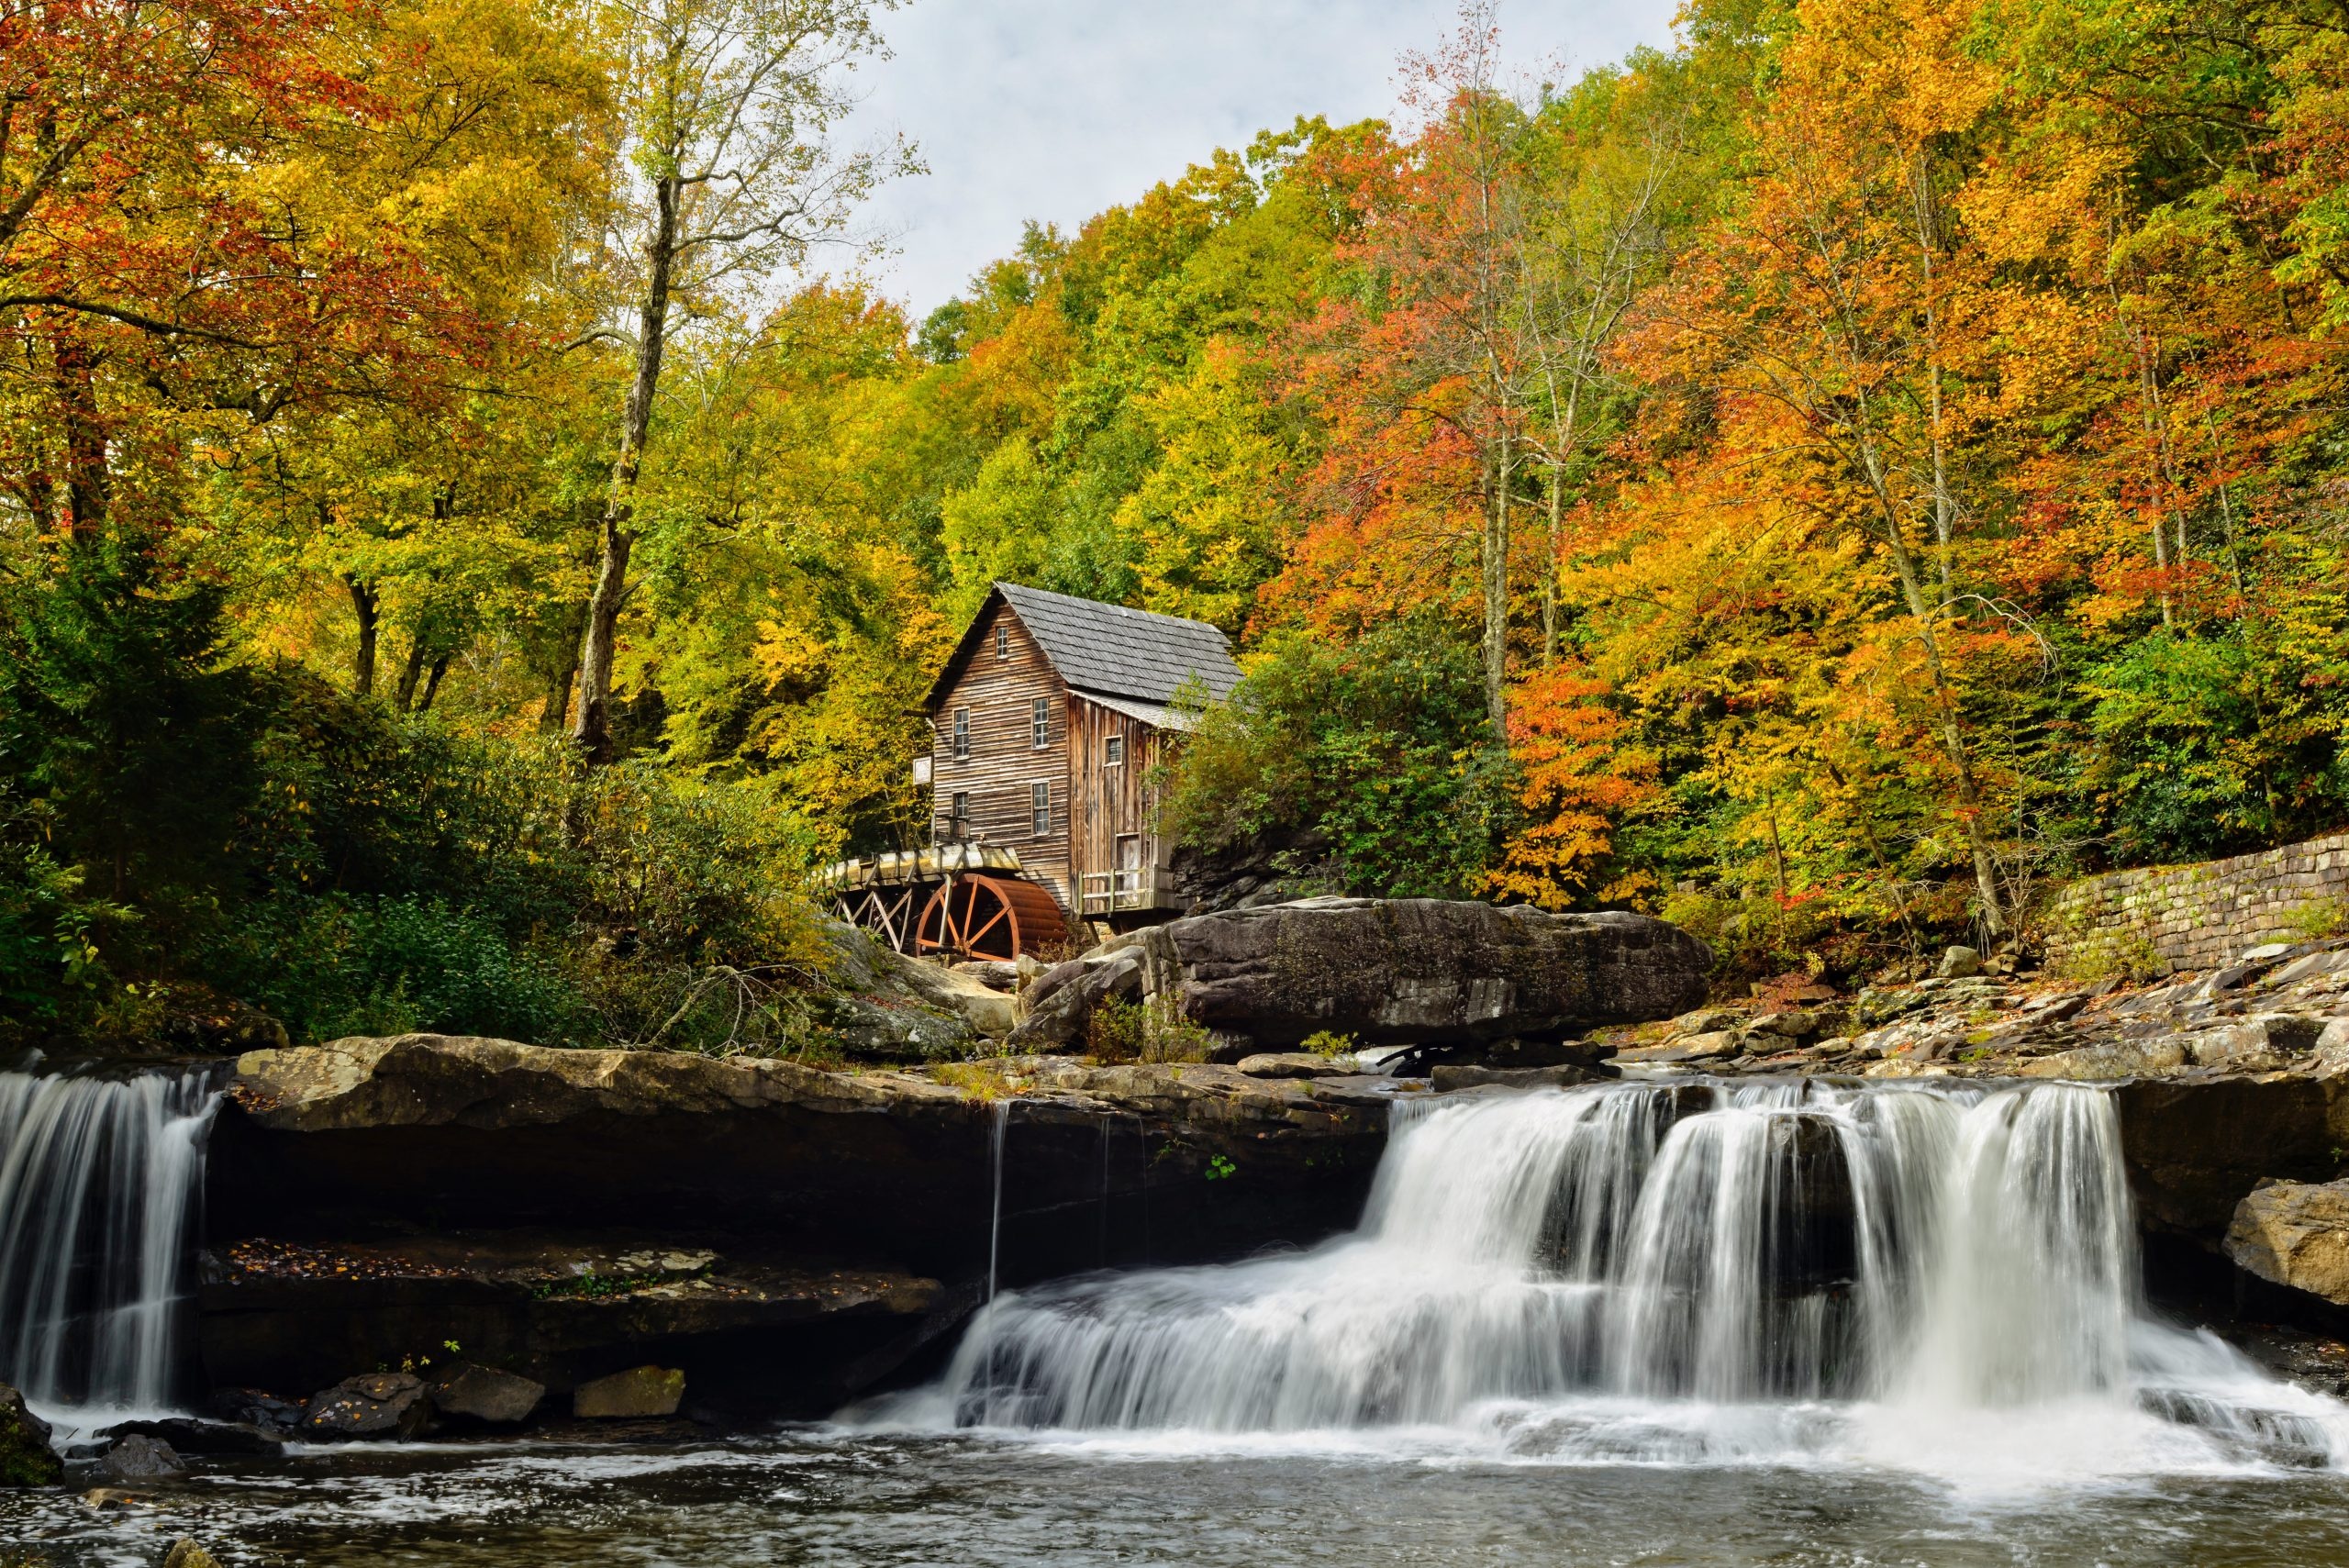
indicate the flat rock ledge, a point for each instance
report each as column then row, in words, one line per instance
column 780, row 1233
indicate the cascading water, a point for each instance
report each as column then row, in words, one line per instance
column 99, row 1183
column 1930, row 1275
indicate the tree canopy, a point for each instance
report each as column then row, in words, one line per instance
column 1824, row 481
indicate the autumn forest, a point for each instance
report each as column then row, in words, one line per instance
column 470, row 535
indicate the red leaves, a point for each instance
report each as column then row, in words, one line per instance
column 153, row 231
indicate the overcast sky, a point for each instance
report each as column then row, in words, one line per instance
column 1053, row 109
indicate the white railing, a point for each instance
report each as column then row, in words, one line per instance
column 1115, row 892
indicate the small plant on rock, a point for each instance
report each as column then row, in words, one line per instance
column 1330, row 1042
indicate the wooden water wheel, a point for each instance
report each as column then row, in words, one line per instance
column 974, row 916
column 887, row 912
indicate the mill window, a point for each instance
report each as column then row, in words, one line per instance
column 1002, row 641
column 1040, row 808
column 961, row 734
column 1040, row 723
column 1113, row 750
column 960, row 812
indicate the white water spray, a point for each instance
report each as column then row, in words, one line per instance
column 1940, row 1276
column 99, row 1182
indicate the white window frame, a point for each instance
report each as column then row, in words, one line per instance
column 1113, row 749
column 961, row 734
column 1040, row 810
column 1002, row 641
column 1040, row 723
column 958, row 809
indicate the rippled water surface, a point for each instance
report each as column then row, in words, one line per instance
column 834, row 1497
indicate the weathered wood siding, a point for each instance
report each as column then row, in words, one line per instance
column 1111, row 802
column 1004, row 763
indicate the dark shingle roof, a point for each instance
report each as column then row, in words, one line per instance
column 1123, row 652
column 1110, row 650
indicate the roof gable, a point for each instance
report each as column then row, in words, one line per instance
column 1107, row 648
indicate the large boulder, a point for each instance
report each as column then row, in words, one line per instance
column 141, row 1458
column 886, row 1007
column 485, row 1394
column 1385, row 971
column 26, row 1456
column 2295, row 1234
column 641, row 1393
column 380, row 1404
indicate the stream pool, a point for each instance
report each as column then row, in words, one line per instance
column 827, row 1495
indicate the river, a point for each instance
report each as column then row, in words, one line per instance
column 1673, row 1323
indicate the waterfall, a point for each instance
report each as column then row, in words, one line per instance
column 98, row 1184
column 1681, row 1270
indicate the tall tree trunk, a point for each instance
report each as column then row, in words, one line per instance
column 1945, row 504
column 1550, row 565
column 556, row 717
column 1922, row 611
column 432, row 683
column 367, row 604
column 593, row 732
column 411, row 673
column 2149, row 407
column 1961, row 760
column 1495, row 563
column 88, row 481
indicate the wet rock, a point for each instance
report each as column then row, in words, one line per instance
column 28, row 1457
column 1514, row 1055
column 547, row 1304
column 187, row 1553
column 380, row 1405
column 1447, row 1080
column 485, row 1394
column 2295, row 1234
column 256, row 1407
column 1958, row 964
column 189, row 1434
column 2196, row 1146
column 641, row 1393
column 865, row 1189
column 138, row 1458
column 1294, row 1065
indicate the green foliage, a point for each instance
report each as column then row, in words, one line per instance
column 1380, row 749
column 2320, row 920
column 49, row 935
column 2192, row 761
column 1120, row 1032
column 348, row 870
column 335, row 965
column 1328, row 1042
column 123, row 726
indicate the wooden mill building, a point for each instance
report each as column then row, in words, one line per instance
column 1047, row 723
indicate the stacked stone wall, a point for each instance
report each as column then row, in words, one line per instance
column 2164, row 919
